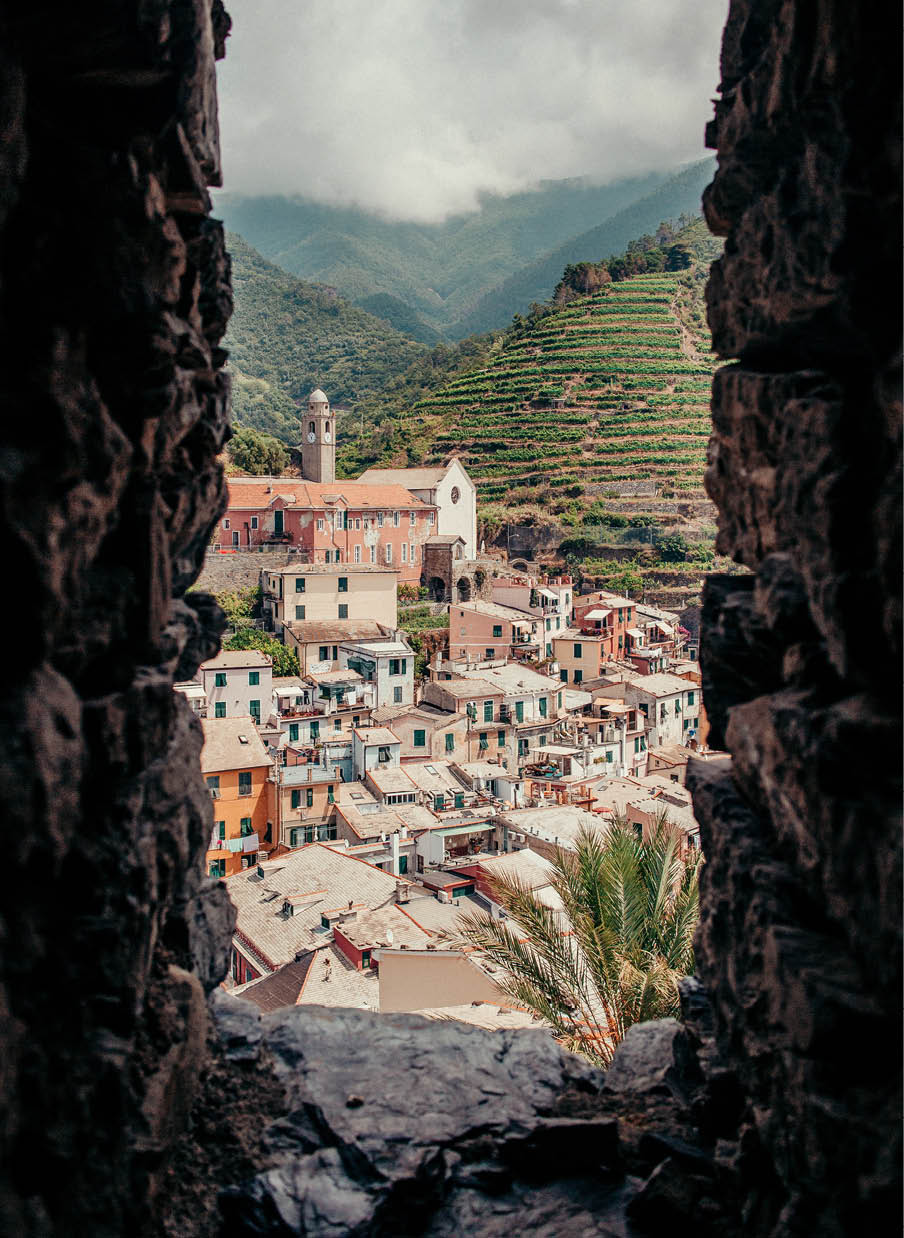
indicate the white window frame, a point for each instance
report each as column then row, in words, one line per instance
column 404, row 552
column 321, row 524
column 357, row 554
column 413, row 518
column 388, row 552
column 225, row 524
column 373, row 554
column 357, row 524
column 431, row 517
column 254, row 522
column 412, row 553
column 379, row 520
column 396, row 519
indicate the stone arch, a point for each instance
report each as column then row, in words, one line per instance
column 463, row 588
column 519, row 565
column 437, row 589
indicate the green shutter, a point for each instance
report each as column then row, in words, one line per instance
column 420, row 739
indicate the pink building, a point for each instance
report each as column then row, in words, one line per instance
column 335, row 522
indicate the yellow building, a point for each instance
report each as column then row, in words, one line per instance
column 328, row 593
column 237, row 769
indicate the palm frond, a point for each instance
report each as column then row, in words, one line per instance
column 615, row 955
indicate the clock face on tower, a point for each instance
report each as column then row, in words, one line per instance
column 326, row 436
column 312, row 437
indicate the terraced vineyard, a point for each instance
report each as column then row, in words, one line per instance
column 611, row 389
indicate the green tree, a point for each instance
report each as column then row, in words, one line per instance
column 630, row 909
column 257, row 453
column 285, row 661
column 241, row 605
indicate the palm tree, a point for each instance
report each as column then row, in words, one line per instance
column 615, row 951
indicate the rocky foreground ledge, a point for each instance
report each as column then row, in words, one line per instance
column 396, row 1124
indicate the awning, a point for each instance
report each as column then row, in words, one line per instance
column 547, row 593
column 596, row 614
column 637, row 634
column 449, row 830
column 664, row 627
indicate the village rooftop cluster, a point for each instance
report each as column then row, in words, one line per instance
column 357, row 810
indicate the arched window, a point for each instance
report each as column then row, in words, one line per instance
column 311, row 427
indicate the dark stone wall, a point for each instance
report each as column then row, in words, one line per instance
column 799, row 944
column 114, row 294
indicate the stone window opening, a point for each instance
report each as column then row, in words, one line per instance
column 783, row 185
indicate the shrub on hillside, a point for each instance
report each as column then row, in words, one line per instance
column 673, row 549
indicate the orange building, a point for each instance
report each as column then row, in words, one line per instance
column 608, row 617
column 237, row 769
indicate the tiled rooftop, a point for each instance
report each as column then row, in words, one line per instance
column 320, row 879
column 237, row 659
column 247, row 494
column 231, row 743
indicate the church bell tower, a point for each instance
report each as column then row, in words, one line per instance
column 318, row 443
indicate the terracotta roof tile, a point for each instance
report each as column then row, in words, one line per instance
column 256, row 494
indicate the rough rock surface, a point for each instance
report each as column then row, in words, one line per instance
column 114, row 294
column 394, row 1124
column 799, row 944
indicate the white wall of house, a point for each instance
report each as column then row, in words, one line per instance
column 367, row 755
column 393, row 670
column 237, row 696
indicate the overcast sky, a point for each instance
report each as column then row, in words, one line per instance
column 413, row 107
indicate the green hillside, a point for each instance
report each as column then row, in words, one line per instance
column 438, row 273
column 635, row 392
column 287, row 337
column 577, row 398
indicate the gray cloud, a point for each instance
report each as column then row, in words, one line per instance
column 414, row 107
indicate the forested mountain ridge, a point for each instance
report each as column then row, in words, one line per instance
column 679, row 195
column 438, row 272
column 287, row 336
